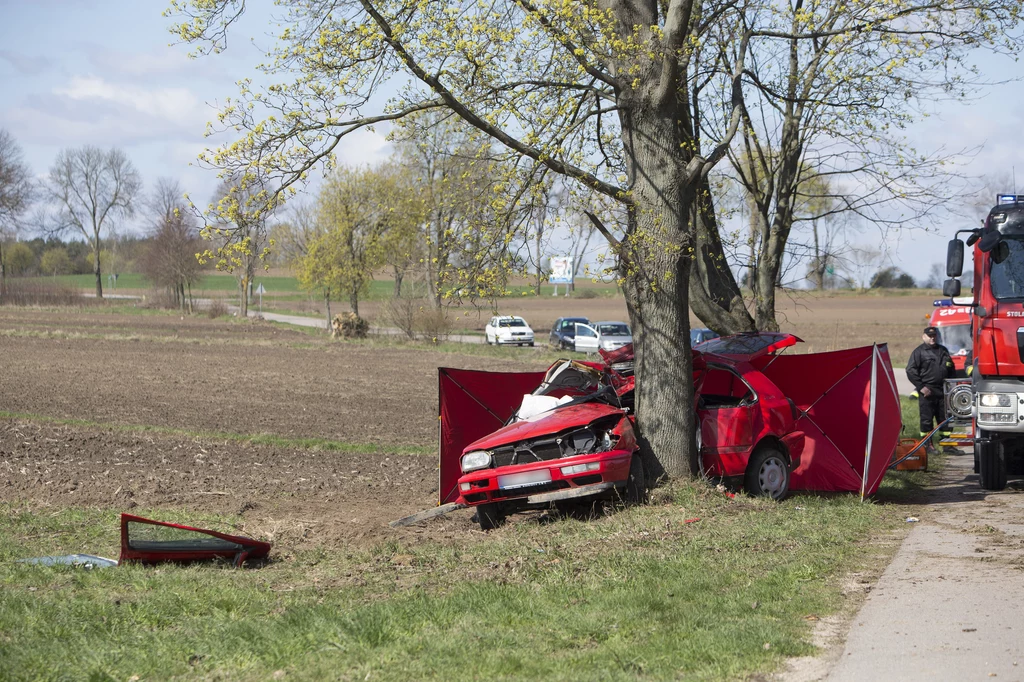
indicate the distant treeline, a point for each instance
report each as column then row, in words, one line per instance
column 54, row 256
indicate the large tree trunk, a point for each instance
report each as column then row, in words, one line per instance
column 714, row 294
column 773, row 246
column 654, row 262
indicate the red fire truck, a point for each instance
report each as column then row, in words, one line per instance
column 953, row 320
column 998, row 337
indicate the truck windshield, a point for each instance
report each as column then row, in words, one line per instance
column 1008, row 276
column 956, row 338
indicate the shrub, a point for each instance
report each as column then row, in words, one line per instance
column 585, row 293
column 402, row 313
column 433, row 324
column 349, row 326
column 217, row 308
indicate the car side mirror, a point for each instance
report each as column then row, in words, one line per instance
column 989, row 241
column 955, row 258
column 951, row 288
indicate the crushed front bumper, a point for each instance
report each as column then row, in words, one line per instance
column 521, row 482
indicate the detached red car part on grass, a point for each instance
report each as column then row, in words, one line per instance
column 147, row 541
column 770, row 422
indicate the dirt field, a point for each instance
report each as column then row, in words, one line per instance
column 196, row 378
column 149, row 412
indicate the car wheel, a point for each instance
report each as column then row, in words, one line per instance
column 489, row 516
column 767, row 474
column 635, row 490
column 530, row 344
column 991, row 465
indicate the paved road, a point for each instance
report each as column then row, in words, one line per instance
column 903, row 384
column 386, row 331
column 950, row 606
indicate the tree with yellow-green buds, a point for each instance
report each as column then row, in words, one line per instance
column 633, row 103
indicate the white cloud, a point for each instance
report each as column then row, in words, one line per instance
column 170, row 104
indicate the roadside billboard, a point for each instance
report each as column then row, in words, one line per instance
column 561, row 270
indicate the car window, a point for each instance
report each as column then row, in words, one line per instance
column 701, row 335
column 723, row 388
column 511, row 323
column 582, row 330
column 613, row 329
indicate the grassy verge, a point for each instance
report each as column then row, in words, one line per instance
column 323, row 444
column 637, row 594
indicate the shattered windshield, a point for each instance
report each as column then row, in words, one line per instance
column 1008, row 275
column 742, row 344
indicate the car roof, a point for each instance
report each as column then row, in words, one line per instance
column 612, row 322
column 507, row 317
column 573, row 319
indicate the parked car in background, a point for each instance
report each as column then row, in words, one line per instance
column 507, row 330
column 563, row 332
column 700, row 335
column 606, row 336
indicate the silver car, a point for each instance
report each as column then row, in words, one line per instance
column 605, row 336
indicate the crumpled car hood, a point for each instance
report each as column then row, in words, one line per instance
column 545, row 424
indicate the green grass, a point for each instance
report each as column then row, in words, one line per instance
column 638, row 594
column 217, row 284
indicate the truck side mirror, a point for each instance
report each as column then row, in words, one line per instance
column 954, row 259
column 951, row 288
column 989, row 241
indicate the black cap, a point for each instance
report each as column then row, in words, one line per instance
column 931, row 331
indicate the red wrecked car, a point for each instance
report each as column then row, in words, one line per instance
column 768, row 422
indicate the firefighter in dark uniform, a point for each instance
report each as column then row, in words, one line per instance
column 929, row 367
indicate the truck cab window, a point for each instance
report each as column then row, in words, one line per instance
column 1007, row 274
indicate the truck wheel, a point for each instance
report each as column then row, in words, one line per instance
column 635, row 490
column 489, row 516
column 991, row 465
column 767, row 474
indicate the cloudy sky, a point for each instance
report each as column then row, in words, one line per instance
column 103, row 72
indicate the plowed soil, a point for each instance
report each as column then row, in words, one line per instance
column 150, row 413
column 154, row 412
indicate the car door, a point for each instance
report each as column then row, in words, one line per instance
column 586, row 338
column 725, row 413
column 490, row 331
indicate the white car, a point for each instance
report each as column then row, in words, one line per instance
column 507, row 330
column 607, row 336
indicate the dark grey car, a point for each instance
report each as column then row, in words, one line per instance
column 563, row 332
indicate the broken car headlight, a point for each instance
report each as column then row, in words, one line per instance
column 478, row 459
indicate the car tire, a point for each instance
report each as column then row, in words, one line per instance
column 489, row 516
column 530, row 344
column 991, row 465
column 635, row 491
column 767, row 474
